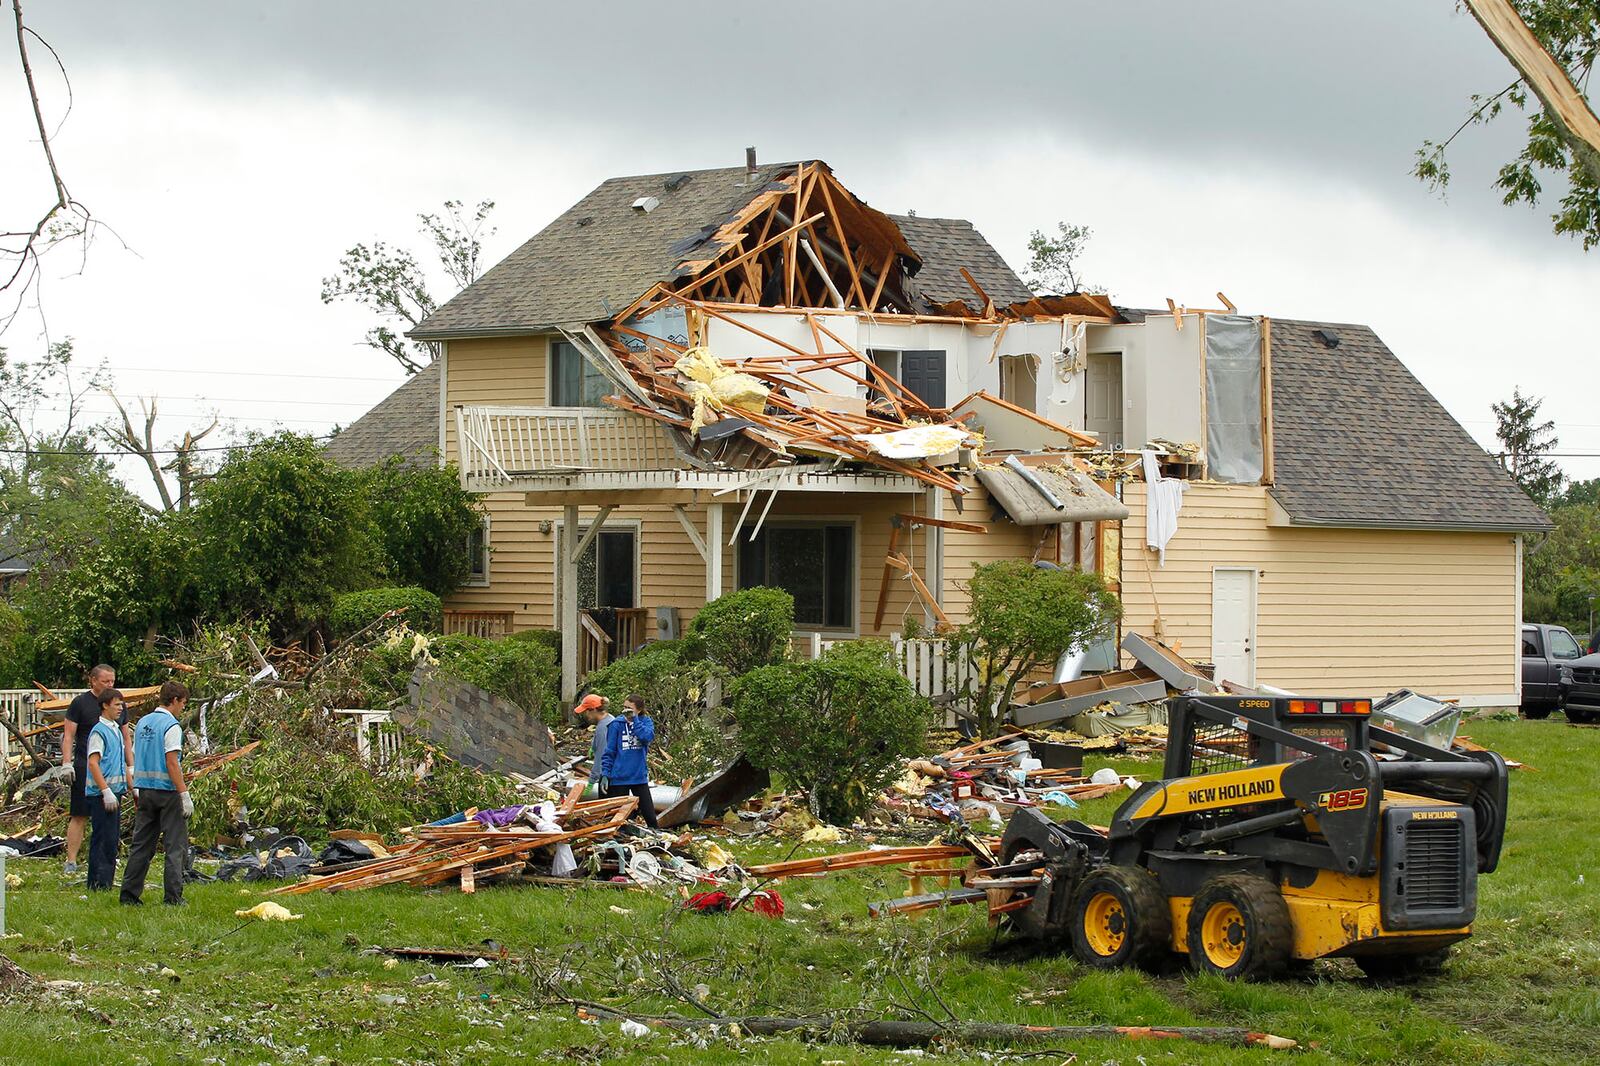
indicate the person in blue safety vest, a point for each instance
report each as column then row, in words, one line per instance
column 106, row 785
column 622, row 768
column 162, row 796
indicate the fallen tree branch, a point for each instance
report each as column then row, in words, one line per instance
column 888, row 1033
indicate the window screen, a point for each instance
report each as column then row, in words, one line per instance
column 813, row 563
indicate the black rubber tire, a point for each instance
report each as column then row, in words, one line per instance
column 1579, row 717
column 1404, row 967
column 1536, row 714
column 1147, row 936
column 1265, row 930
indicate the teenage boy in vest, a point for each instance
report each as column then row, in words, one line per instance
column 107, row 784
column 163, row 797
column 622, row 769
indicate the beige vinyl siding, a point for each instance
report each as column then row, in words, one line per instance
column 499, row 371
column 963, row 550
column 1340, row 611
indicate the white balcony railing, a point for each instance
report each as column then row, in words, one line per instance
column 500, row 444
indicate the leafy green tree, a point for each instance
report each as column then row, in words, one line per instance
column 1585, row 492
column 1569, row 32
column 392, row 281
column 839, row 726
column 746, row 629
column 423, row 521
column 282, row 529
column 1054, row 262
column 123, row 588
column 1022, row 617
column 1560, row 573
column 1526, row 443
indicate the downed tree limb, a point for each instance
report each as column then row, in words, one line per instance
column 886, row 1033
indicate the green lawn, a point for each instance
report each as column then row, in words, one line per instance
column 1525, row 988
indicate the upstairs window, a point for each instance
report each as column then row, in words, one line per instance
column 478, row 548
column 574, row 381
column 814, row 562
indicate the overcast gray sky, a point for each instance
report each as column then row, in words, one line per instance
column 1262, row 149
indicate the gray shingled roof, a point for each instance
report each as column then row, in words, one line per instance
column 404, row 423
column 945, row 245
column 1360, row 442
column 575, row 271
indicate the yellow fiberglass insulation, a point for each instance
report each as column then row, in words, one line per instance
column 716, row 388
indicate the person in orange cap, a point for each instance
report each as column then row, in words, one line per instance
column 591, row 710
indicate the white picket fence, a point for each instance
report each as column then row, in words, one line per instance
column 21, row 705
column 931, row 664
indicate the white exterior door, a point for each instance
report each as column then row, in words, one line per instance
column 1233, row 624
column 1102, row 399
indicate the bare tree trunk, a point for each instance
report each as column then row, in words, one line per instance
column 920, row 1034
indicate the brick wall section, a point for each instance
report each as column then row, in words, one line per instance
column 477, row 727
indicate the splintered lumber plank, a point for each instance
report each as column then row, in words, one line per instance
column 883, row 585
column 407, row 861
column 739, row 260
column 853, row 859
column 205, row 765
column 468, row 884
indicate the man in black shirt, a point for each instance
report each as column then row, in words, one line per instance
column 81, row 717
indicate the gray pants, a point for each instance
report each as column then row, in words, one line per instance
column 160, row 815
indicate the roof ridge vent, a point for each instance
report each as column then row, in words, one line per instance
column 673, row 184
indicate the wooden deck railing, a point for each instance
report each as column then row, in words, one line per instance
column 496, row 444
column 491, row 625
column 597, row 647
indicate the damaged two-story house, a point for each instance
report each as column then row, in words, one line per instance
column 694, row 382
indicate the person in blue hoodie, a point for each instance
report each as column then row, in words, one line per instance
column 622, row 768
column 106, row 784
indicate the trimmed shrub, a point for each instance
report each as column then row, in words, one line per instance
column 839, row 726
column 354, row 611
column 546, row 638
column 746, row 629
column 521, row 671
column 672, row 676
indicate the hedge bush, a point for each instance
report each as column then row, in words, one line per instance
column 673, row 677
column 746, row 629
column 547, row 638
column 838, row 726
column 524, row 672
column 354, row 611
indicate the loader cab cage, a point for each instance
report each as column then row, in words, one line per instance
column 1207, row 736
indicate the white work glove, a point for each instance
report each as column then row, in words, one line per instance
column 188, row 805
column 109, row 801
column 69, row 772
column 135, row 795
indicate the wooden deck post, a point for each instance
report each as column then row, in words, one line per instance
column 568, row 613
column 714, row 547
